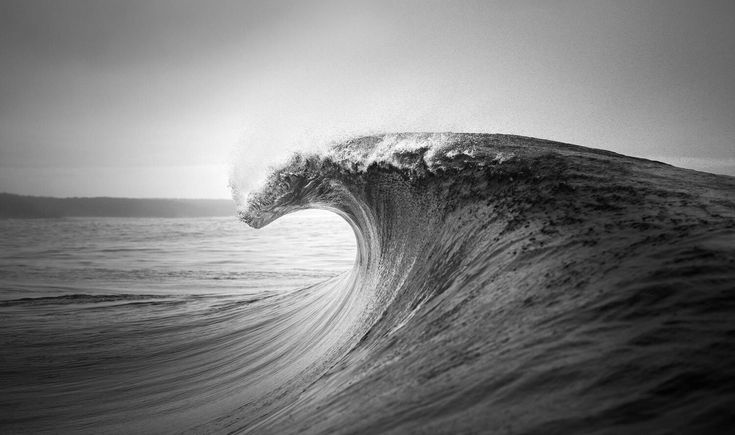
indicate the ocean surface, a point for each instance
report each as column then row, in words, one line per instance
column 450, row 283
column 123, row 324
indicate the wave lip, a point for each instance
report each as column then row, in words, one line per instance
column 321, row 180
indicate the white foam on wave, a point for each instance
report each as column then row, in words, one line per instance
column 392, row 146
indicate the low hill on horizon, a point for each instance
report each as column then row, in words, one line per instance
column 23, row 206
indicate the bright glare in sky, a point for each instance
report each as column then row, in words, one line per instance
column 161, row 99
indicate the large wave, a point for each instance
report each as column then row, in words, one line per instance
column 508, row 284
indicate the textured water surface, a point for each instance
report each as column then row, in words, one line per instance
column 151, row 324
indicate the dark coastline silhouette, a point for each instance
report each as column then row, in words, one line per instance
column 21, row 206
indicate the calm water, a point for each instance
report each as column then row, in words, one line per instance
column 102, row 256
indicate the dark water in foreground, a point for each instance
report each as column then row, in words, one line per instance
column 501, row 284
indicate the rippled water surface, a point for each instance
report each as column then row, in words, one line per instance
column 117, row 323
column 54, row 257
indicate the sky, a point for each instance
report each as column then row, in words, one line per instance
column 162, row 98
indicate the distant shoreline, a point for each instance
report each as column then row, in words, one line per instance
column 23, row 206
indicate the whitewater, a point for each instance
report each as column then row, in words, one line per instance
column 501, row 284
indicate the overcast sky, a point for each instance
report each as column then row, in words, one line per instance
column 153, row 98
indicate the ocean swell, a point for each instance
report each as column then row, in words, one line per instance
column 510, row 284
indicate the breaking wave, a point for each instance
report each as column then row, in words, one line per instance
column 510, row 284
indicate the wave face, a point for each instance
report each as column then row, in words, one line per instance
column 509, row 284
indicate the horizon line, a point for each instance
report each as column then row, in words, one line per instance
column 115, row 197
